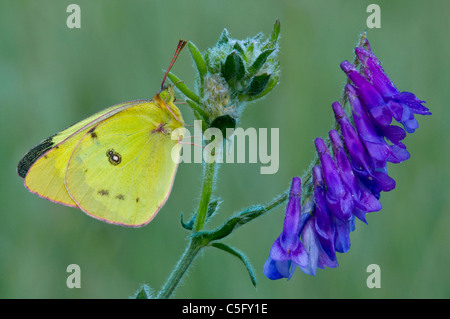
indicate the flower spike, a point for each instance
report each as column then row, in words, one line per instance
column 347, row 184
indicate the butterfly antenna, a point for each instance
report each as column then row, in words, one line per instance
column 180, row 46
column 192, row 144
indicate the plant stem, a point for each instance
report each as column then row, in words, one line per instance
column 195, row 244
column 209, row 174
column 180, row 269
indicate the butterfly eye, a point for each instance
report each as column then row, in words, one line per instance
column 114, row 157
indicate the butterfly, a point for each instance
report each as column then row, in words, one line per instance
column 117, row 165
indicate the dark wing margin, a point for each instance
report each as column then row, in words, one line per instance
column 31, row 157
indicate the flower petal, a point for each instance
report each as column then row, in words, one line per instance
column 338, row 198
column 289, row 239
column 270, row 270
column 299, row 256
column 277, row 251
column 342, row 236
column 283, row 268
column 323, row 225
column 375, row 73
column 312, row 247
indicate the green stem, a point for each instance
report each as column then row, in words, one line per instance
column 195, row 244
column 208, row 184
column 180, row 269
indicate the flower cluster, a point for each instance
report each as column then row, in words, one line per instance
column 239, row 71
column 347, row 184
column 234, row 73
column 230, row 75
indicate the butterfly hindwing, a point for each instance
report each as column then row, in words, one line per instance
column 121, row 171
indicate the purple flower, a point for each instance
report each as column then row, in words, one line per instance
column 374, row 72
column 380, row 111
column 338, row 199
column 318, row 257
column 374, row 140
column 288, row 251
column 329, row 221
column 364, row 200
column 347, row 184
column 372, row 173
column 323, row 221
column 402, row 105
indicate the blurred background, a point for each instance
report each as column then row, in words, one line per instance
column 52, row 77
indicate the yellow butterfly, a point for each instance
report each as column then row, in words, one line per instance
column 117, row 165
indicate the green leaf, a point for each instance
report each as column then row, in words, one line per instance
column 258, row 84
column 259, row 62
column 223, row 38
column 144, row 292
column 241, row 256
column 258, row 37
column 206, row 56
column 272, row 43
column 238, row 48
column 231, row 224
column 197, row 108
column 213, row 207
column 199, row 61
column 223, row 122
column 183, row 88
column 269, row 87
column 250, row 48
column 233, row 69
column 190, row 224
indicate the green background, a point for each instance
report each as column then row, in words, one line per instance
column 52, row 76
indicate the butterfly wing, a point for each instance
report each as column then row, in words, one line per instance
column 122, row 170
column 43, row 167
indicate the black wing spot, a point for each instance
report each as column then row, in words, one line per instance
column 32, row 156
column 92, row 133
column 137, row 199
column 120, row 196
column 103, row 192
column 113, row 157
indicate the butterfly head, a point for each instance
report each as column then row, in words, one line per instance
column 166, row 94
column 164, row 99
